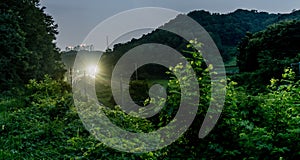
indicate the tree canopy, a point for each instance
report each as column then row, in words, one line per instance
column 27, row 44
column 270, row 51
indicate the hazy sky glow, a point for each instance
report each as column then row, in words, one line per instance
column 76, row 18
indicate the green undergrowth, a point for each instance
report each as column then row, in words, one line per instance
column 41, row 122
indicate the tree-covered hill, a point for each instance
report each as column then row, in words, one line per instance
column 227, row 30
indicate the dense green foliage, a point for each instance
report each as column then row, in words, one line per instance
column 43, row 123
column 40, row 121
column 27, row 43
column 265, row 54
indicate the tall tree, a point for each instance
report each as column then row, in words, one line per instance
column 13, row 52
column 27, row 43
column 268, row 52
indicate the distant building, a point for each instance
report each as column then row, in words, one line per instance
column 82, row 47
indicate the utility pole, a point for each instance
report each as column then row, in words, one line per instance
column 85, row 81
column 70, row 75
column 121, row 90
column 136, row 71
column 107, row 43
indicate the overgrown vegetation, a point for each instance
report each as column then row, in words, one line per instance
column 265, row 54
column 38, row 119
column 42, row 122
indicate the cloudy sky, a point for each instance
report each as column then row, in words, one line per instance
column 76, row 18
